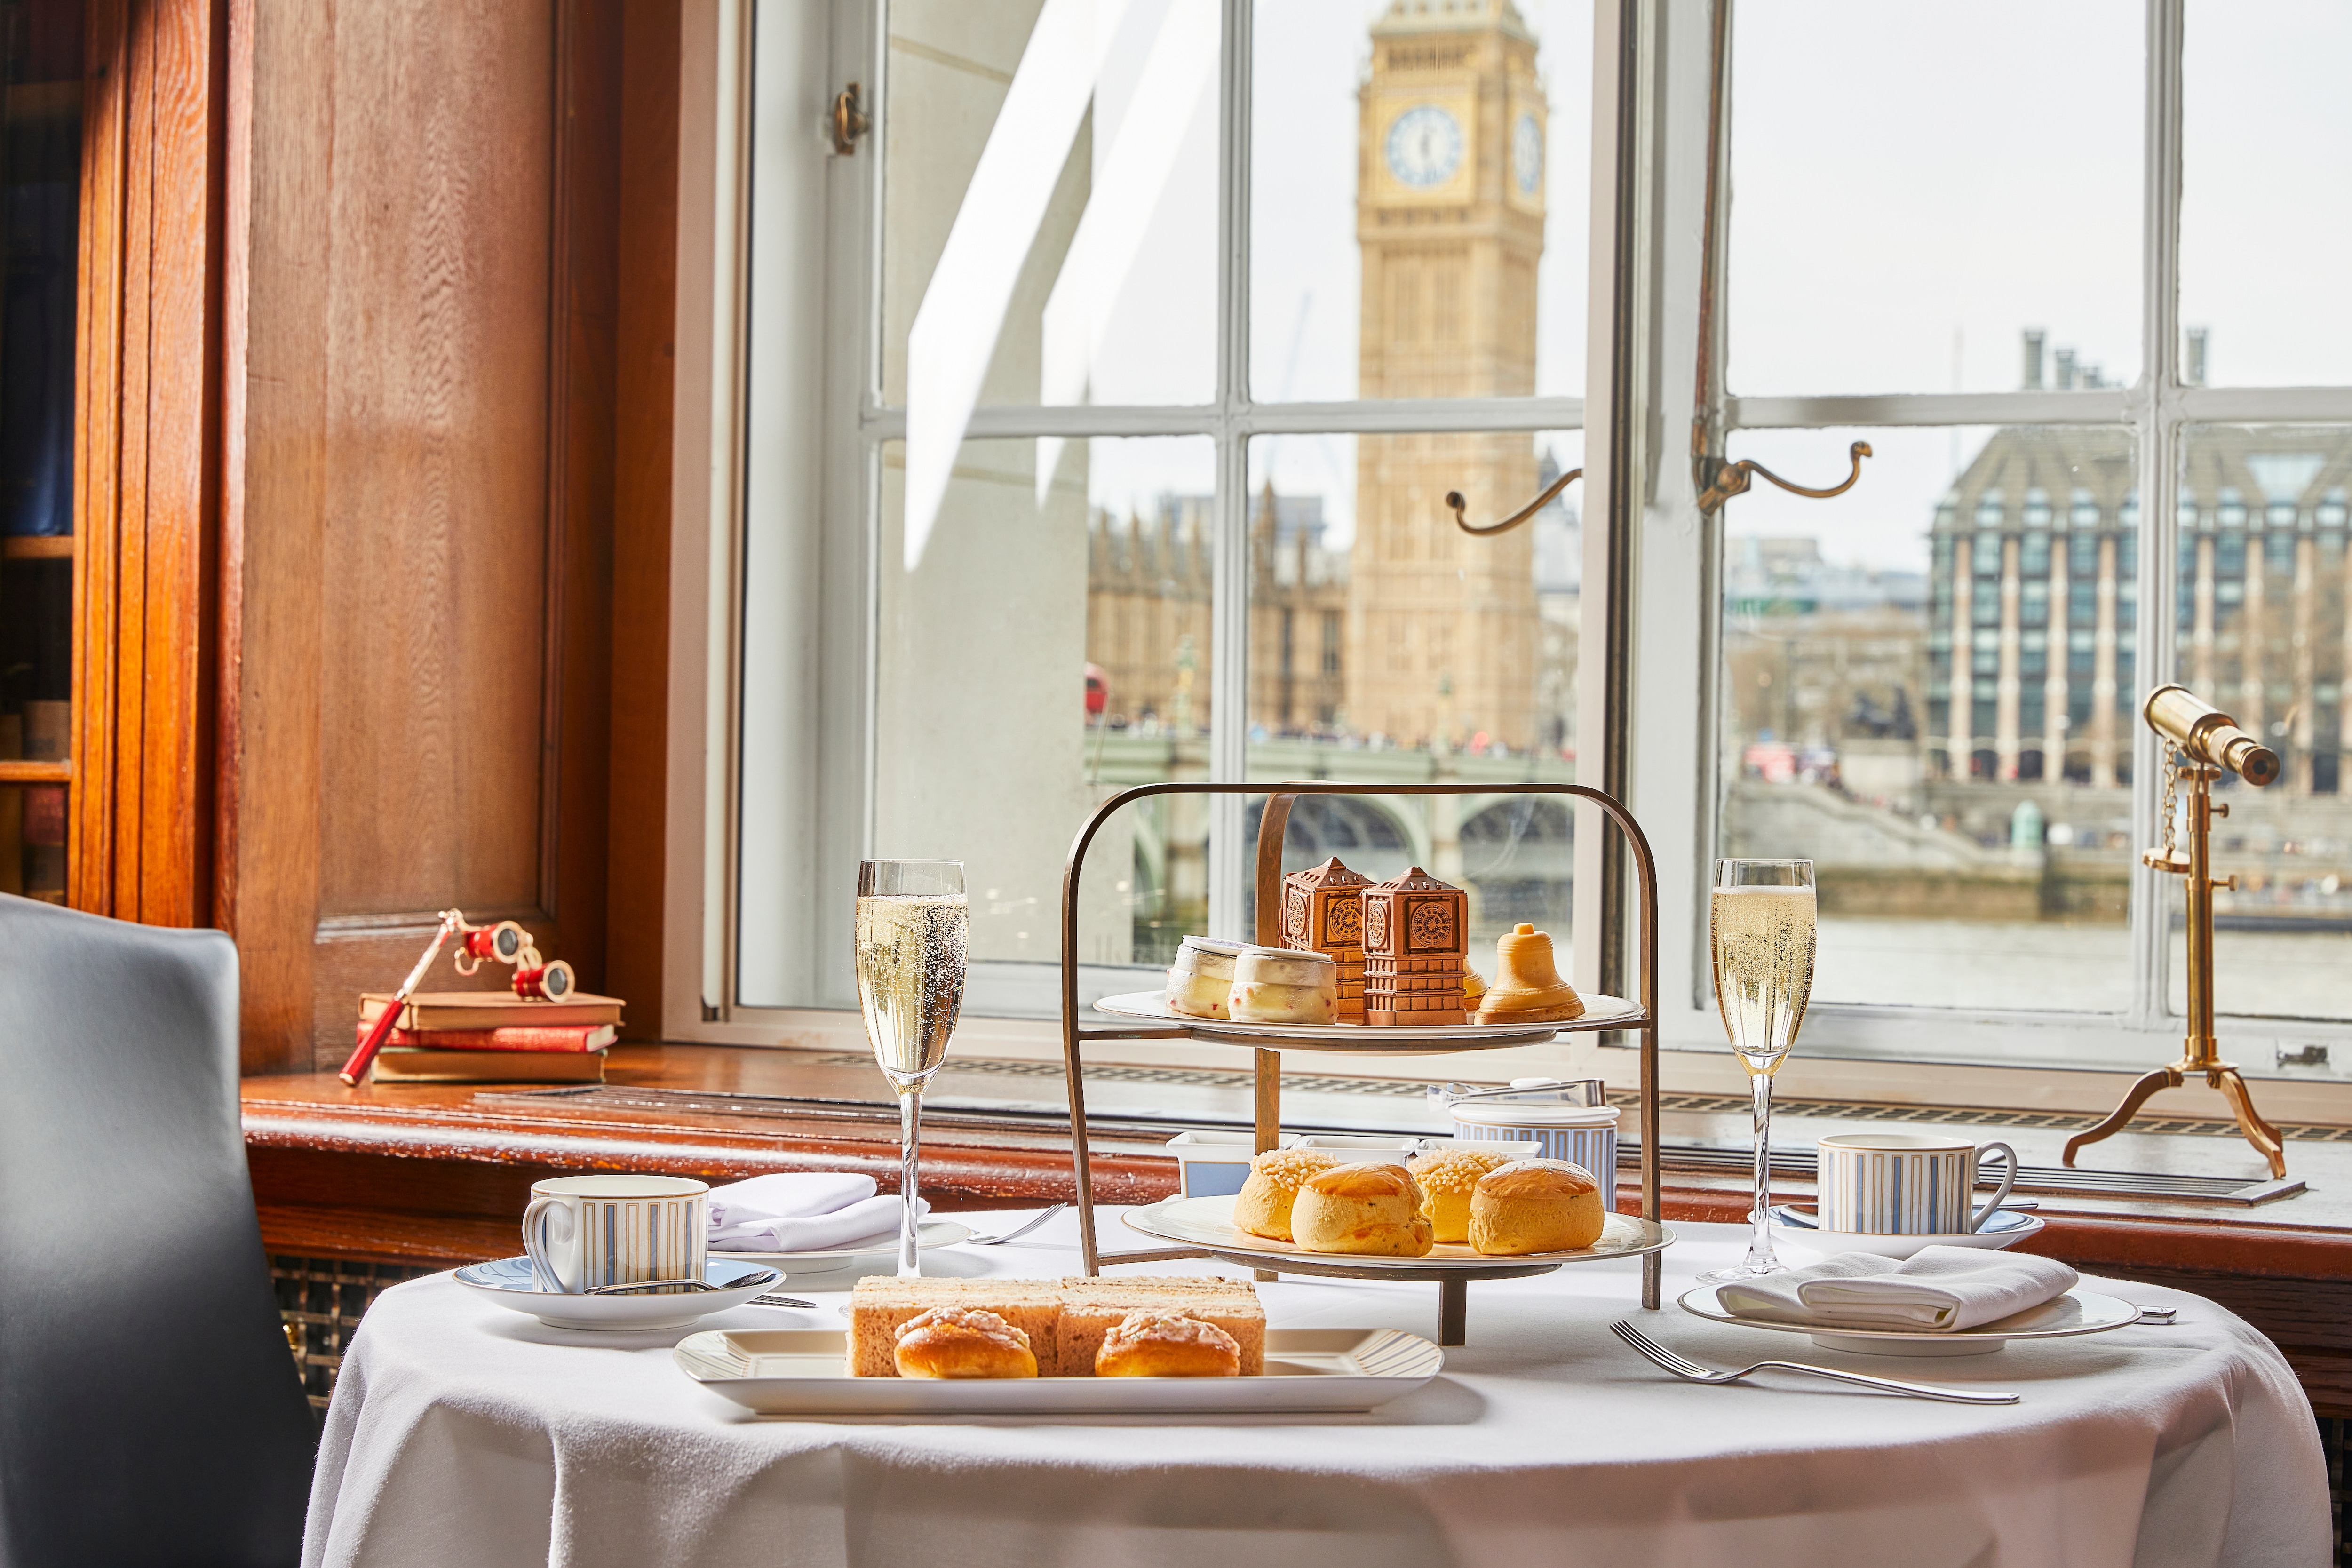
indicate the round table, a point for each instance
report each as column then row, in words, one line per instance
column 464, row 1434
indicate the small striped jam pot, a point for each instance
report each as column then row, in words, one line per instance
column 581, row 1232
column 1906, row 1183
column 1583, row 1135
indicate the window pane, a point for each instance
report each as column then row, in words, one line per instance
column 1997, row 192
column 1418, row 189
column 1384, row 643
column 990, row 745
column 1927, row 691
column 2265, row 130
column 1050, row 234
column 33, row 841
column 2264, row 636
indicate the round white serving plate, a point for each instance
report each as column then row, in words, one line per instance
column 507, row 1282
column 928, row 1233
column 1599, row 1012
column 1208, row 1222
column 2005, row 1228
column 2078, row 1311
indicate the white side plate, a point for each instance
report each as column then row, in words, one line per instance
column 805, row 1372
column 2078, row 1311
column 928, row 1233
column 1209, row 1222
column 507, row 1282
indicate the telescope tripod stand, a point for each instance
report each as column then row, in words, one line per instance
column 2199, row 1053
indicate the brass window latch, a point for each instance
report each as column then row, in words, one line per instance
column 1462, row 508
column 1723, row 480
column 850, row 121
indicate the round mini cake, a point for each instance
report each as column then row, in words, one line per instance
column 1535, row 1206
column 1369, row 1209
column 1202, row 977
column 1446, row 1178
column 1276, row 986
column 1263, row 1206
column 1151, row 1344
column 964, row 1341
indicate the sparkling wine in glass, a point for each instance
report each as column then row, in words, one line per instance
column 912, row 925
column 1761, row 929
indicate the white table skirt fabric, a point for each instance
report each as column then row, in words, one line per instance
column 461, row 1433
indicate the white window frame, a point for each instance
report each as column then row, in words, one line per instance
column 823, row 362
column 1679, row 549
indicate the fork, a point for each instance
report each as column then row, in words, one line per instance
column 1690, row 1370
column 1022, row 1229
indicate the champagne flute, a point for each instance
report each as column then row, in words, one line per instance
column 912, row 926
column 1761, row 929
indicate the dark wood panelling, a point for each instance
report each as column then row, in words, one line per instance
column 641, row 509
column 436, row 549
column 148, row 458
column 421, row 525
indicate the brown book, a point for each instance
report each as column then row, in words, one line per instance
column 415, row 1065
column 492, row 1010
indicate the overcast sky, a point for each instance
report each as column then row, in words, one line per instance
column 1914, row 185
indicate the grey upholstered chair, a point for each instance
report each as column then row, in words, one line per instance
column 150, row 1412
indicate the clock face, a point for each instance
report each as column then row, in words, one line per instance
column 1423, row 147
column 1527, row 154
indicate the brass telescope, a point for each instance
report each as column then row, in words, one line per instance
column 2207, row 741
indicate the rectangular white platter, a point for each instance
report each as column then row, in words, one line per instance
column 805, row 1372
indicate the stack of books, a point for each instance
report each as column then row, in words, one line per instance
column 490, row 1036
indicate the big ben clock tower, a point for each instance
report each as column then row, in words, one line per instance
column 1444, row 628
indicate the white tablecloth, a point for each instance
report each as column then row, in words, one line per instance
column 463, row 1433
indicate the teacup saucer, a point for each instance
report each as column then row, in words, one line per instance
column 507, row 1282
column 2005, row 1227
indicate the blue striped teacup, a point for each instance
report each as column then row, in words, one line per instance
column 1906, row 1183
column 581, row 1232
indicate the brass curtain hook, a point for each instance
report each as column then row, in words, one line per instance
column 1731, row 479
column 1462, row 508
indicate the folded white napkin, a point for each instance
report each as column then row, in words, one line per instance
column 800, row 1212
column 1935, row 1290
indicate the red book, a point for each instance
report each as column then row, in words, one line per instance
column 514, row 1038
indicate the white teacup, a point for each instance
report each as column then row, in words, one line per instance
column 1905, row 1184
column 581, row 1232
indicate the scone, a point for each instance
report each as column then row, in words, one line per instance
column 964, row 1341
column 1148, row 1343
column 1369, row 1209
column 1276, row 986
column 1446, row 1177
column 1535, row 1206
column 1263, row 1206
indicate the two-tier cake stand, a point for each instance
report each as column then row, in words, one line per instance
column 1453, row 1268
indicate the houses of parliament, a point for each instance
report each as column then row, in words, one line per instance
column 1415, row 631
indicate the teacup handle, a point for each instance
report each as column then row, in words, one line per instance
column 2008, row 1180
column 544, row 1274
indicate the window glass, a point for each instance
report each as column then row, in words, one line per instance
column 2263, row 126
column 1049, row 229
column 1418, row 189
column 1907, row 260
column 2264, row 637
column 1384, row 642
column 1969, row 817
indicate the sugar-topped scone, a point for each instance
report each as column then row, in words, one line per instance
column 1536, row 1205
column 1447, row 1176
column 1369, row 1209
column 963, row 1341
column 1148, row 1343
column 1263, row 1206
